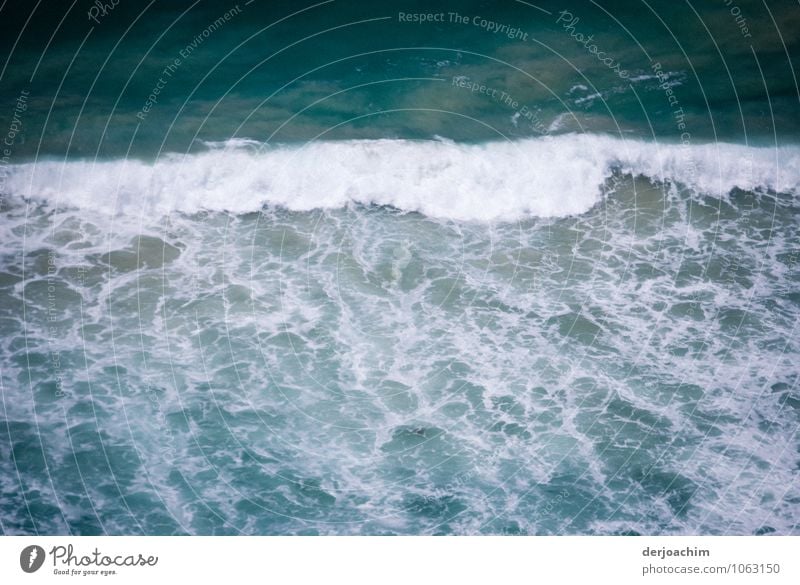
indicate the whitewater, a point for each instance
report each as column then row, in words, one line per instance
column 553, row 176
column 574, row 334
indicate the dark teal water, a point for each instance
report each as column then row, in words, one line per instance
column 289, row 268
column 352, row 70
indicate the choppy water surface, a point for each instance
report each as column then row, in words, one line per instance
column 369, row 370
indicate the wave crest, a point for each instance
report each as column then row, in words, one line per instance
column 545, row 177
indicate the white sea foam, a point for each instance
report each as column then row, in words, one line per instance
column 547, row 177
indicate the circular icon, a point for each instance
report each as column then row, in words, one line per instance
column 31, row 558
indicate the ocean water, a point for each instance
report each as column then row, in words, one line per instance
column 351, row 273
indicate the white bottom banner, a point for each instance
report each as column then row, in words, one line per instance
column 407, row 560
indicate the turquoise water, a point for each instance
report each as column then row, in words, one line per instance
column 351, row 273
